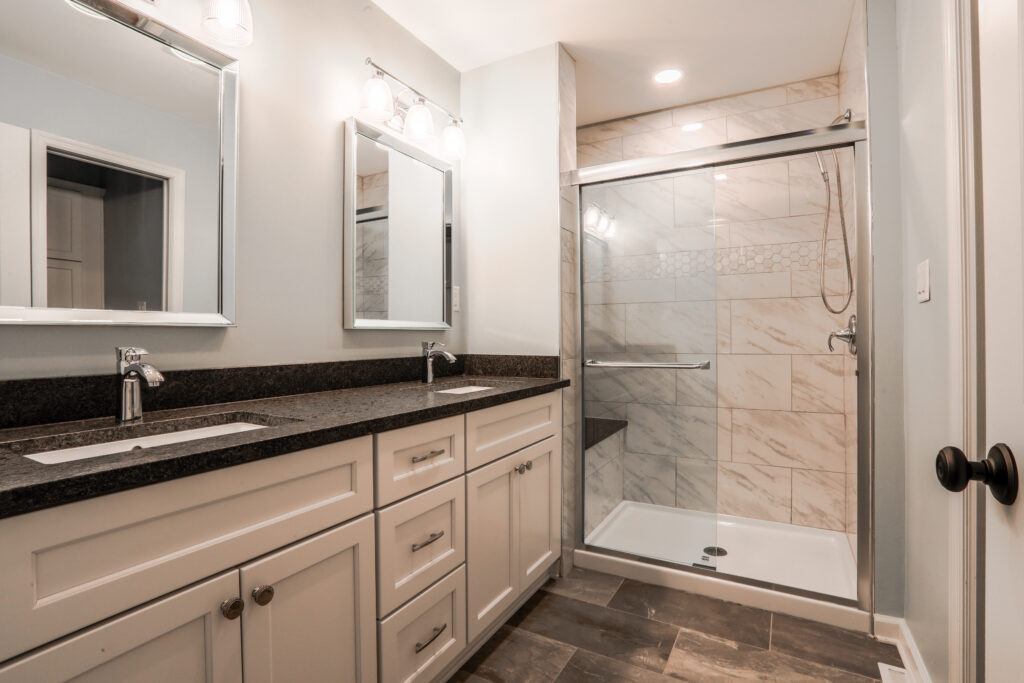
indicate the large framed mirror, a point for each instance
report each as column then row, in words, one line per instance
column 398, row 233
column 117, row 169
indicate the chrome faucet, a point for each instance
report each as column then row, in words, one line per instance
column 431, row 349
column 131, row 368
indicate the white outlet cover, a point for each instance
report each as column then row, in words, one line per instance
column 924, row 282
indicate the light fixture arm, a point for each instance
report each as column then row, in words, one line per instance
column 416, row 92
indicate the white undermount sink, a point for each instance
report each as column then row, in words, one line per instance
column 124, row 445
column 462, row 390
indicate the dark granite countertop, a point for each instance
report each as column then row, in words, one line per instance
column 292, row 423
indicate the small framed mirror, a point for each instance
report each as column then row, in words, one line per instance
column 398, row 233
column 117, row 169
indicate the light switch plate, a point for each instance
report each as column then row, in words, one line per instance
column 456, row 300
column 924, row 282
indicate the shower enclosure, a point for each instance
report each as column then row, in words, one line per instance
column 720, row 431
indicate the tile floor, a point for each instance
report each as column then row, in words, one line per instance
column 595, row 627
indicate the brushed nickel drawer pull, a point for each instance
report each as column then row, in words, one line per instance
column 428, row 456
column 433, row 537
column 438, row 630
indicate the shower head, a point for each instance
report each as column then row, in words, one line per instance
column 846, row 116
column 821, row 166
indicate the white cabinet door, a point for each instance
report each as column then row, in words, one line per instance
column 492, row 561
column 180, row 638
column 540, row 517
column 320, row 621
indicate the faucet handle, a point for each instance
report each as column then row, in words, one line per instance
column 126, row 355
column 431, row 345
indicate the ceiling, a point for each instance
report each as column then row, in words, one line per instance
column 723, row 46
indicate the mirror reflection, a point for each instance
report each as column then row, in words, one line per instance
column 400, row 234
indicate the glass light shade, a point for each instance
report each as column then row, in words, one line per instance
column 419, row 124
column 228, row 21
column 376, row 103
column 453, row 142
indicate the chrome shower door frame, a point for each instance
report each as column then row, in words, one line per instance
column 854, row 135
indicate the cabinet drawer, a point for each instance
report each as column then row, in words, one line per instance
column 67, row 567
column 415, row 458
column 418, row 641
column 494, row 432
column 419, row 540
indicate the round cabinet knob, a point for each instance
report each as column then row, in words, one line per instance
column 953, row 469
column 232, row 608
column 262, row 595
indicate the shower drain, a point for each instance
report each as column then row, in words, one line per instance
column 715, row 551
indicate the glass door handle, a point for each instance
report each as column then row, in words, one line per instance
column 701, row 365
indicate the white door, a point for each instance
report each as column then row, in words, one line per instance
column 492, row 560
column 1000, row 55
column 540, row 518
column 181, row 638
column 310, row 609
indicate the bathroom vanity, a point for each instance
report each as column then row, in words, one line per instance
column 380, row 533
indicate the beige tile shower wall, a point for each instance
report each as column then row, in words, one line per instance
column 785, row 108
column 726, row 261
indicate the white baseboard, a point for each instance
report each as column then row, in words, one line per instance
column 894, row 630
column 723, row 589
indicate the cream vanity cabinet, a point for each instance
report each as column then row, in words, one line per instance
column 378, row 558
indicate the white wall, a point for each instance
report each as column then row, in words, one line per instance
column 510, row 205
column 931, row 367
column 299, row 80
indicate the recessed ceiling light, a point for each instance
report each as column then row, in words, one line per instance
column 691, row 127
column 668, row 75
column 720, row 176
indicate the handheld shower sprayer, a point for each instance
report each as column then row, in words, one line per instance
column 845, row 116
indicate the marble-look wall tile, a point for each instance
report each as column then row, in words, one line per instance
column 724, row 106
column 631, row 385
column 694, row 198
column 570, row 340
column 612, row 411
column 802, row 91
column 691, row 238
column 621, row 127
column 566, row 110
column 753, row 286
column 630, row 291
column 757, row 381
column 819, row 499
column 785, row 230
column 850, row 381
column 570, row 371
column 696, row 485
column 604, row 328
column 724, row 434
column 754, row 491
column 602, row 491
column 853, row 65
column 674, row 139
column 569, row 456
column 784, row 119
column 598, row 456
column 807, row 283
column 851, row 506
column 596, row 153
column 643, row 212
column 818, row 384
column 675, row 327
column 786, row 439
column 648, row 478
column 794, row 325
column 851, row 442
column 807, row 189
column 696, row 387
column 723, row 315
column 751, row 193
column 683, row 431
column 695, row 287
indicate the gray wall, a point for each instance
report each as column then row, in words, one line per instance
column 299, row 81
column 884, row 136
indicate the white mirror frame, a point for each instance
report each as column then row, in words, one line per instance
column 38, row 315
column 354, row 127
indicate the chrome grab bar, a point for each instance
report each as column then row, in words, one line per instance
column 702, row 365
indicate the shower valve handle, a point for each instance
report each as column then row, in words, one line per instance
column 849, row 336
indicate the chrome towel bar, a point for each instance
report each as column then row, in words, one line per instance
column 702, row 365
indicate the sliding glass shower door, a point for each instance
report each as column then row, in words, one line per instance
column 650, row 368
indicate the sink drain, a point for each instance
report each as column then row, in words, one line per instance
column 715, row 551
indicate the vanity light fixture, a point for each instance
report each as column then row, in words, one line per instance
column 668, row 75
column 228, row 21
column 692, row 127
column 414, row 121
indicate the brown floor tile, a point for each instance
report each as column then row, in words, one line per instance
column 696, row 612
column 848, row 650
column 702, row 657
column 590, row 667
column 516, row 656
column 588, row 586
column 615, row 634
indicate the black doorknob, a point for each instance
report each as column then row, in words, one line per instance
column 998, row 471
